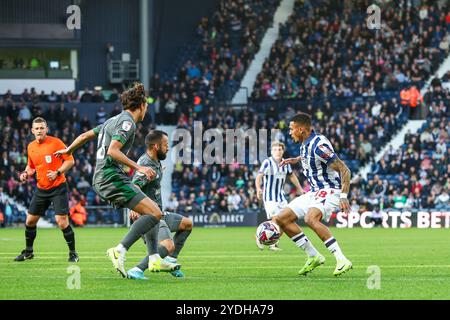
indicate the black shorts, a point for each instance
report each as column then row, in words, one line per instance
column 43, row 198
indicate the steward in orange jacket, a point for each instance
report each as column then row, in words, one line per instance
column 78, row 214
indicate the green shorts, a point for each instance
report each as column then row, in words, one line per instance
column 118, row 190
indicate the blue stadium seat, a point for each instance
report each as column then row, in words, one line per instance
column 91, row 218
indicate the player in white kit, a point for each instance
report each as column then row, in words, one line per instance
column 329, row 178
column 270, row 185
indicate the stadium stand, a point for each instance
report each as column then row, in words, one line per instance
column 362, row 111
column 211, row 69
column 330, row 55
column 355, row 133
column 417, row 175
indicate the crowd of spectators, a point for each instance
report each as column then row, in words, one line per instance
column 415, row 176
column 16, row 114
column 326, row 51
column 33, row 97
column 229, row 41
column 356, row 133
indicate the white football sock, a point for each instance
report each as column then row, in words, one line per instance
column 154, row 257
column 334, row 248
column 171, row 259
column 121, row 248
column 302, row 241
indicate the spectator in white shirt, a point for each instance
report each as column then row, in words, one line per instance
column 376, row 217
column 233, row 201
column 442, row 201
column 172, row 204
column 24, row 113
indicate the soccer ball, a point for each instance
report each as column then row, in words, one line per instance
column 268, row 233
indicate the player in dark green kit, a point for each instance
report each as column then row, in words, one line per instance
column 167, row 247
column 111, row 183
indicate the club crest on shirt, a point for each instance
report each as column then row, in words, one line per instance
column 48, row 159
column 126, row 125
column 327, row 153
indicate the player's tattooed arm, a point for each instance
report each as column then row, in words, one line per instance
column 344, row 172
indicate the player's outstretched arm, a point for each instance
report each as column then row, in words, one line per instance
column 78, row 142
column 345, row 174
column 115, row 153
column 289, row 161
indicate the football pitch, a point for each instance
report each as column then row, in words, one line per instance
column 224, row 263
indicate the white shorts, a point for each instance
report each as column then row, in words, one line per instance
column 273, row 208
column 326, row 200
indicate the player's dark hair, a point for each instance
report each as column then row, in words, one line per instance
column 154, row 137
column 302, row 119
column 133, row 97
column 39, row 120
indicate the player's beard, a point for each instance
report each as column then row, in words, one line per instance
column 161, row 155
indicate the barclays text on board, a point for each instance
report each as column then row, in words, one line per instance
column 239, row 218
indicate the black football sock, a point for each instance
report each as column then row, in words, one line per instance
column 69, row 235
column 179, row 240
column 30, row 235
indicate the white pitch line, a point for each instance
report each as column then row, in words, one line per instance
column 214, row 278
column 188, row 267
column 188, row 255
column 193, row 259
column 331, row 278
column 193, row 254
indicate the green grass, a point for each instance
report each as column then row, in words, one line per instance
column 225, row 264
